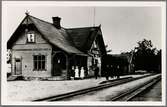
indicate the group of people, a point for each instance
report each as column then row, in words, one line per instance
column 112, row 71
column 80, row 72
column 77, row 73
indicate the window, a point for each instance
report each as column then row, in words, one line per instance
column 30, row 37
column 39, row 62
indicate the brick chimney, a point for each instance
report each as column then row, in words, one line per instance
column 56, row 22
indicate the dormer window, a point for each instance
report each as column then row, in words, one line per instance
column 30, row 37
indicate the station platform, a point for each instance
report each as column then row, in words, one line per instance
column 32, row 90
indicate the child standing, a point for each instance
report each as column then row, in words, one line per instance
column 76, row 72
column 82, row 73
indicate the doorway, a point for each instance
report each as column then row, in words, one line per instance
column 59, row 64
column 18, row 66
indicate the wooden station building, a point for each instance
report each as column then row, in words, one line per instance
column 47, row 50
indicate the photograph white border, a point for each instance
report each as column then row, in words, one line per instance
column 83, row 3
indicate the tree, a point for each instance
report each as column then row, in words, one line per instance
column 145, row 56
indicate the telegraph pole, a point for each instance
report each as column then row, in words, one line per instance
column 94, row 14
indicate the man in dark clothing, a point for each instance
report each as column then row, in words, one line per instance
column 118, row 71
column 107, row 72
column 111, row 71
column 96, row 69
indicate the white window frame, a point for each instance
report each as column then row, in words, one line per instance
column 30, row 37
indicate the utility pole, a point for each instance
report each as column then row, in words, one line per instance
column 94, row 14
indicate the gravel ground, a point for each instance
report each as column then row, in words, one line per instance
column 31, row 90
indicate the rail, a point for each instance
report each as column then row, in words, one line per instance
column 128, row 95
column 87, row 90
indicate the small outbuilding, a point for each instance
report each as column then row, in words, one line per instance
column 123, row 62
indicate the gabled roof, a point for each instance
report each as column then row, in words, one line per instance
column 83, row 37
column 57, row 37
column 73, row 40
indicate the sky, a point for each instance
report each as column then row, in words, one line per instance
column 122, row 26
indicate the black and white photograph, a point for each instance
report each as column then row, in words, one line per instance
column 83, row 53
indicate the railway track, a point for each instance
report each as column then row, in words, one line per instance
column 130, row 94
column 96, row 88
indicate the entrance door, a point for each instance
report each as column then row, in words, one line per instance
column 59, row 64
column 18, row 66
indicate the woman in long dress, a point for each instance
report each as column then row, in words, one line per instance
column 76, row 72
column 82, row 73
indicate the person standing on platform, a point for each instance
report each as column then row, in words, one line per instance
column 107, row 72
column 114, row 71
column 82, row 74
column 96, row 70
column 111, row 72
column 118, row 71
column 72, row 72
column 76, row 72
